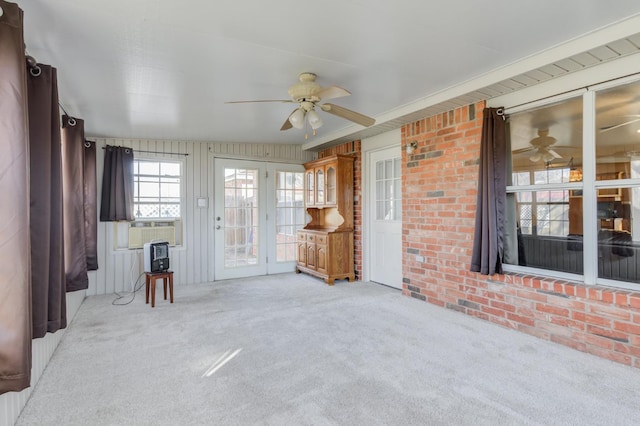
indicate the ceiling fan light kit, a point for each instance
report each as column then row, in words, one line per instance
column 308, row 94
column 314, row 119
column 297, row 118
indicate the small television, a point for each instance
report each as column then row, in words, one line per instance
column 156, row 257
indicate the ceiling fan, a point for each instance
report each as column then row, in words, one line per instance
column 308, row 94
column 540, row 146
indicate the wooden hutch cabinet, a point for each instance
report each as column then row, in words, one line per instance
column 325, row 245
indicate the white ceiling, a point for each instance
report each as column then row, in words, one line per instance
column 156, row 69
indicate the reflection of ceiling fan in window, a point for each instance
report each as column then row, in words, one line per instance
column 625, row 123
column 540, row 147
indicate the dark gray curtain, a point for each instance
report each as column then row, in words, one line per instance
column 91, row 205
column 116, row 202
column 73, row 170
column 48, row 287
column 15, row 286
column 486, row 257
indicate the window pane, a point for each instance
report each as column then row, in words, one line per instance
column 618, row 235
column 545, row 139
column 149, row 168
column 170, row 169
column 388, row 169
column 550, row 228
column 157, row 189
column 522, row 178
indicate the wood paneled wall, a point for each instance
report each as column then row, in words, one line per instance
column 193, row 261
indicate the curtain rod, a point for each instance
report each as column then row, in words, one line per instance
column 158, row 152
column 35, row 71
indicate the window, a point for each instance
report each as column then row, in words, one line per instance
column 157, row 189
column 543, row 212
column 388, row 194
column 575, row 191
column 157, row 205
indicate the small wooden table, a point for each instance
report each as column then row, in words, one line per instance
column 150, row 282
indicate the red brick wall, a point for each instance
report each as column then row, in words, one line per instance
column 353, row 149
column 439, row 203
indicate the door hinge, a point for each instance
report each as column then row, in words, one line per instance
column 266, row 174
column 267, row 261
column 267, row 215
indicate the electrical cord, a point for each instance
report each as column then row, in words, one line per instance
column 123, row 295
column 133, row 284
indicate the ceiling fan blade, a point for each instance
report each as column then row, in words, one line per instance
column 265, row 100
column 332, row 92
column 356, row 117
column 626, row 123
column 287, row 124
column 523, row 150
column 555, row 154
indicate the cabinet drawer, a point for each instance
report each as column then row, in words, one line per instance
column 311, row 237
column 321, row 239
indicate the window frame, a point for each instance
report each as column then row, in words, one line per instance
column 589, row 184
column 154, row 159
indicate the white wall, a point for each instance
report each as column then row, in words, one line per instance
column 117, row 270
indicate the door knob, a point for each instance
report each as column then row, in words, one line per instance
column 218, row 226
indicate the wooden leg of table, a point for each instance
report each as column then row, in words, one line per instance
column 164, row 287
column 146, row 287
column 171, row 286
column 153, row 292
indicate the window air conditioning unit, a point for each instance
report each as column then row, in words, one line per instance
column 147, row 232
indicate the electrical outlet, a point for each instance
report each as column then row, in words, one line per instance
column 419, row 258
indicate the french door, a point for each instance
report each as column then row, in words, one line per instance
column 258, row 209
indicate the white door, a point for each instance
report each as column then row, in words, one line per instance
column 385, row 198
column 258, row 209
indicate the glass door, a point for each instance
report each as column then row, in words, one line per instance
column 258, row 210
column 286, row 189
column 239, row 219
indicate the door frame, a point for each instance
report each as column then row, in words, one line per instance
column 385, row 140
column 269, row 166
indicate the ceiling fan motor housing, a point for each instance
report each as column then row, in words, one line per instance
column 306, row 90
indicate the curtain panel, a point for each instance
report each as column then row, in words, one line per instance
column 117, row 185
column 75, row 207
column 15, row 286
column 488, row 244
column 48, row 287
column 91, row 205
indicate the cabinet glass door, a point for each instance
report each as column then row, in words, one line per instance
column 320, row 187
column 331, row 185
column 310, row 190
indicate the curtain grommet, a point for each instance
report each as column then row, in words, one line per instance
column 71, row 121
column 35, row 71
column 87, row 144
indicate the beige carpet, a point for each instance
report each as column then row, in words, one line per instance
column 290, row 350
